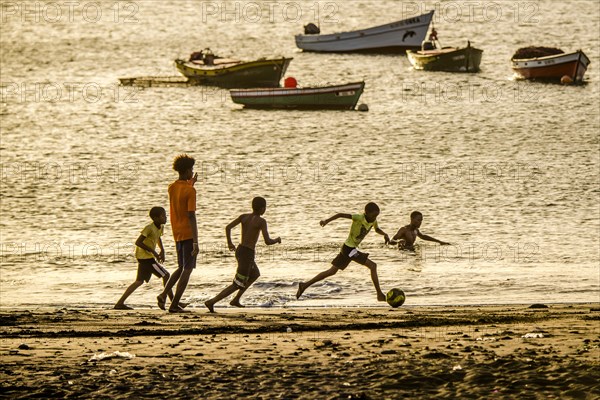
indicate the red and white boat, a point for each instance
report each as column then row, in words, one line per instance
column 553, row 67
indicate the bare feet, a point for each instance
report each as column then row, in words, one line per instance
column 178, row 310
column 236, row 303
column 210, row 306
column 183, row 305
column 122, row 307
column 301, row 289
column 381, row 297
column 161, row 301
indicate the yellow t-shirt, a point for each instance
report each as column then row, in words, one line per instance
column 359, row 229
column 152, row 234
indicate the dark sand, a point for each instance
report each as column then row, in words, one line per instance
column 321, row 353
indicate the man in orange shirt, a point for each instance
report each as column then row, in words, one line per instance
column 182, row 198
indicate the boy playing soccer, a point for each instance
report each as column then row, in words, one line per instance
column 406, row 236
column 361, row 225
column 148, row 258
column 247, row 271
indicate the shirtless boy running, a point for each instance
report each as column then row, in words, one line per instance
column 247, row 272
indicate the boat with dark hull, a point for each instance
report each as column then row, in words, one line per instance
column 336, row 97
column 434, row 57
column 228, row 73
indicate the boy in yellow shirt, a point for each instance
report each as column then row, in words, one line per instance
column 148, row 259
column 361, row 225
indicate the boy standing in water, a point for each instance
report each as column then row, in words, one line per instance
column 247, row 271
column 406, row 236
column 148, row 258
column 182, row 199
column 361, row 225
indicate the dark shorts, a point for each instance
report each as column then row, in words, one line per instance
column 348, row 254
column 148, row 267
column 184, row 254
column 247, row 269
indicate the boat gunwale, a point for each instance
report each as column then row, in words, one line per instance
column 436, row 54
column 552, row 56
column 269, row 92
column 241, row 65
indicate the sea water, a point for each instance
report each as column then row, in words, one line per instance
column 505, row 170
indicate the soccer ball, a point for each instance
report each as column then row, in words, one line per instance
column 395, row 297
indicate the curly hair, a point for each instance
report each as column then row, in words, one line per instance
column 183, row 162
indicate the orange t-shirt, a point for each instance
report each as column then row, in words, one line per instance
column 182, row 197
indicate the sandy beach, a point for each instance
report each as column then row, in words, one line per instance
column 321, row 353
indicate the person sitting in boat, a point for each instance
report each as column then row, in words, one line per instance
column 430, row 44
column 209, row 57
column 433, row 35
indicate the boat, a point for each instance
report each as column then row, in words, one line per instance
column 434, row 57
column 544, row 63
column 395, row 37
column 340, row 97
column 207, row 69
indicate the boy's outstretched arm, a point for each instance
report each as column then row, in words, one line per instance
column 140, row 243
column 397, row 236
column 431, row 239
column 385, row 235
column 265, row 233
column 228, row 229
column 336, row 216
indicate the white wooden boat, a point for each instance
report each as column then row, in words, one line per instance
column 395, row 37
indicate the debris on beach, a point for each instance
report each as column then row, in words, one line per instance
column 106, row 356
column 538, row 305
column 326, row 343
column 533, row 335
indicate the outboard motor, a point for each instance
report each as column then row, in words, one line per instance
column 311, row 29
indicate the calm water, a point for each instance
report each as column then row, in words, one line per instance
column 506, row 170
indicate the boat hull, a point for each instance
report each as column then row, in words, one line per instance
column 395, row 37
column 338, row 97
column 553, row 67
column 450, row 60
column 259, row 73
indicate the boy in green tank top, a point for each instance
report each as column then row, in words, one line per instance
column 361, row 225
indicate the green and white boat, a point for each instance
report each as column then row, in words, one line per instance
column 338, row 97
column 433, row 57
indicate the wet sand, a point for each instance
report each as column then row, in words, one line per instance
column 320, row 353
